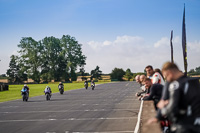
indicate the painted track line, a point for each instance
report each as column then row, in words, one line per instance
column 107, row 132
column 139, row 117
column 70, row 119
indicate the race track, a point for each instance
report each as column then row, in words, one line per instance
column 110, row 108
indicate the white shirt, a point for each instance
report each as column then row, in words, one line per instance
column 157, row 79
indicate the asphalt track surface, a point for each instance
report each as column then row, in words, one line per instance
column 110, row 108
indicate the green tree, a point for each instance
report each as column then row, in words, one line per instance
column 15, row 74
column 128, row 74
column 197, row 70
column 73, row 55
column 30, row 58
column 96, row 73
column 52, row 58
column 117, row 73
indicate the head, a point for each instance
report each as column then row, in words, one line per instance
column 147, row 82
column 142, row 78
column 47, row 86
column 159, row 71
column 149, row 70
column 171, row 71
column 25, row 85
column 137, row 78
column 60, row 82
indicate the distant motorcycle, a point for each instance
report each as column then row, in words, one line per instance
column 47, row 92
column 48, row 96
column 93, row 86
column 24, row 93
column 86, row 85
column 61, row 89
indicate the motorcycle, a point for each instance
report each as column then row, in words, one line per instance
column 48, row 95
column 93, row 86
column 24, row 94
column 86, row 85
column 61, row 89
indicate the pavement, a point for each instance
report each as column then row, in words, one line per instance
column 110, row 108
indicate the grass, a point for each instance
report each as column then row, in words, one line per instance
column 37, row 90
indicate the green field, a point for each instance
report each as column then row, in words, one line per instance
column 37, row 90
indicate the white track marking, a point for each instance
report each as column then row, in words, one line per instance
column 62, row 111
column 70, row 119
column 139, row 117
column 107, row 132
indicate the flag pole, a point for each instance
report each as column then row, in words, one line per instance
column 184, row 44
column 172, row 56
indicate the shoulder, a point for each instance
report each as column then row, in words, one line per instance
column 174, row 86
column 156, row 74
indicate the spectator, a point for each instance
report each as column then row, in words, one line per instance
column 145, row 92
column 183, row 106
column 137, row 79
column 154, row 76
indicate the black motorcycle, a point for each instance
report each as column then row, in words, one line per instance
column 93, row 86
column 86, row 85
column 48, row 96
column 61, row 89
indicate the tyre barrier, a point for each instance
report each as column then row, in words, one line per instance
column 4, row 87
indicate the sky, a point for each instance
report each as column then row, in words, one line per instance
column 113, row 33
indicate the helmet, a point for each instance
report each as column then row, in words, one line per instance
column 47, row 86
column 25, row 85
column 60, row 82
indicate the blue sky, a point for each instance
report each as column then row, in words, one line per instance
column 114, row 33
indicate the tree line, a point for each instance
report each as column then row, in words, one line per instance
column 48, row 59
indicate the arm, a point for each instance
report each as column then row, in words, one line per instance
column 152, row 93
column 172, row 108
column 155, row 78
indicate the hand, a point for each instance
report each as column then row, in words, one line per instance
column 136, row 94
column 152, row 120
column 162, row 103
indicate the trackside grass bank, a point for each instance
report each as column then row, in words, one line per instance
column 37, row 90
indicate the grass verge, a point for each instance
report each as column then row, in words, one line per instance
column 37, row 90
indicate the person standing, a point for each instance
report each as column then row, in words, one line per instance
column 154, row 76
column 183, row 106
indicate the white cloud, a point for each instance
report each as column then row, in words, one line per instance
column 194, row 46
column 163, row 42
column 133, row 52
column 107, row 43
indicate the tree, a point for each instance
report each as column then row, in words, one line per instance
column 197, row 69
column 52, row 58
column 15, row 74
column 128, row 74
column 30, row 58
column 117, row 73
column 96, row 73
column 72, row 52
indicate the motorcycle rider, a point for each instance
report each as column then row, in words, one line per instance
column 47, row 90
column 92, row 84
column 61, row 84
column 26, row 89
column 86, row 83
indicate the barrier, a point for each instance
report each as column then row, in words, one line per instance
column 148, row 111
column 4, row 87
